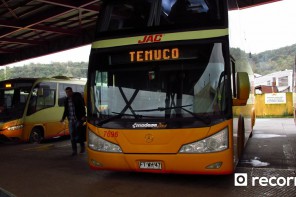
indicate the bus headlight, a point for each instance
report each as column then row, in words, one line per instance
column 214, row 143
column 12, row 128
column 99, row 144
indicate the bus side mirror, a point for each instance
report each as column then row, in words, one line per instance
column 242, row 89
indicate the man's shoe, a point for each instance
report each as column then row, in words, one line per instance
column 74, row 153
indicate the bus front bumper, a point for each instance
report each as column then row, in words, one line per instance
column 206, row 163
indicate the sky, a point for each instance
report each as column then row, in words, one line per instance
column 267, row 27
column 270, row 26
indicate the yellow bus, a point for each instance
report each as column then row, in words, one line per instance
column 31, row 108
column 164, row 94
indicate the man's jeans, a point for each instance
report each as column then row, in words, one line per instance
column 73, row 130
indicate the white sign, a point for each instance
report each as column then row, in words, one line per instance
column 275, row 98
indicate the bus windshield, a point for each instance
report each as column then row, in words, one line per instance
column 169, row 14
column 188, row 87
column 13, row 97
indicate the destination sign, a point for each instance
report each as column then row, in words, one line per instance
column 142, row 55
column 154, row 55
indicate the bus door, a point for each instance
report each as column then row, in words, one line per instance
column 43, row 112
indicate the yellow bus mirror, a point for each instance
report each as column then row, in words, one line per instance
column 243, row 89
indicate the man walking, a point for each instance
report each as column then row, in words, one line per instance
column 75, row 112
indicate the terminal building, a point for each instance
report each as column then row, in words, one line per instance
column 276, row 82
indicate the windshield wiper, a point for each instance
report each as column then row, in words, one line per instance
column 109, row 119
column 204, row 119
column 117, row 116
column 161, row 108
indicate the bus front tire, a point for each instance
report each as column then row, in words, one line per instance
column 36, row 136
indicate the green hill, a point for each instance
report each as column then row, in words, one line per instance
column 274, row 60
column 69, row 69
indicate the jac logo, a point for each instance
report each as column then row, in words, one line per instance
column 151, row 38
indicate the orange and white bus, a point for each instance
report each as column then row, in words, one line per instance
column 164, row 94
column 31, row 108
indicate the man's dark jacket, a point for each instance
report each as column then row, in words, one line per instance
column 79, row 105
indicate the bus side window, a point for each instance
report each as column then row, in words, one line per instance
column 45, row 100
column 16, row 97
column 80, row 88
column 44, row 94
column 49, row 98
column 32, row 103
column 61, row 95
column 8, row 101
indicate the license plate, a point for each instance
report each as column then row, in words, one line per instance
column 156, row 165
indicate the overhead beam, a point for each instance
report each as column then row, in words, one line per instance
column 55, row 45
column 20, row 41
column 16, row 25
column 84, row 5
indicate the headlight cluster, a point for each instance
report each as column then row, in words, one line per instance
column 214, row 143
column 12, row 128
column 98, row 144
